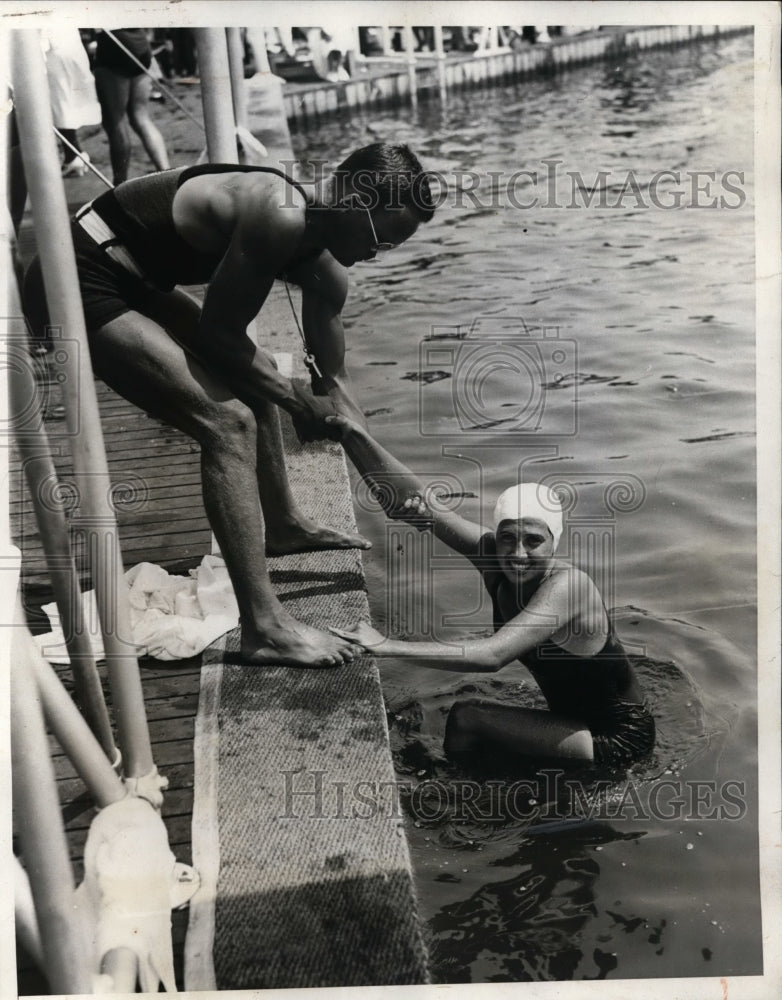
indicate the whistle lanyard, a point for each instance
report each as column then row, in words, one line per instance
column 309, row 358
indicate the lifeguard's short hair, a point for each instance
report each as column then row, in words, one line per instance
column 388, row 176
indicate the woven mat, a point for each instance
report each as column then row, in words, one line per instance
column 314, row 886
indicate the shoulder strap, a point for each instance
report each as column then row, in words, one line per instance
column 235, row 168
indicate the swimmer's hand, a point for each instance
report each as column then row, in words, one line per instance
column 363, row 634
column 344, row 403
column 412, row 509
column 343, row 426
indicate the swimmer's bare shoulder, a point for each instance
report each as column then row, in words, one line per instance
column 572, row 595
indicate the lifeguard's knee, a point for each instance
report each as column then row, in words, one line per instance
column 230, row 426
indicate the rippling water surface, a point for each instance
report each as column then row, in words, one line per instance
column 613, row 355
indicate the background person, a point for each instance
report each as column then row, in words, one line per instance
column 72, row 93
column 124, row 90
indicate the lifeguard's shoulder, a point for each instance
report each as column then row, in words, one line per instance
column 269, row 211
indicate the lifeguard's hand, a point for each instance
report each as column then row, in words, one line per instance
column 310, row 420
column 363, row 634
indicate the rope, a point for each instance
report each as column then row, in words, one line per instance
column 155, row 80
column 82, row 157
column 250, row 143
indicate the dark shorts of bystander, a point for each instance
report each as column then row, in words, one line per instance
column 109, row 55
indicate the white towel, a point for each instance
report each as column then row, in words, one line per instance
column 171, row 617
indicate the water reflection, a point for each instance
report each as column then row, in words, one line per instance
column 527, row 928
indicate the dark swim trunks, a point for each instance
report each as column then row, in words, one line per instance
column 109, row 55
column 107, row 289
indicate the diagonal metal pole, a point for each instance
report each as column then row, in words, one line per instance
column 72, row 732
column 39, row 824
column 217, row 100
column 43, row 484
column 55, row 247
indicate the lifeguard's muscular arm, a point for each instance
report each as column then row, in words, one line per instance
column 234, row 297
column 324, row 285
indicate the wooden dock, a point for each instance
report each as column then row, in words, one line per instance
column 156, row 479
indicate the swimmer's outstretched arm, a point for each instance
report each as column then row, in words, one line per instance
column 546, row 612
column 401, row 493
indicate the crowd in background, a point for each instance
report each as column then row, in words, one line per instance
column 102, row 77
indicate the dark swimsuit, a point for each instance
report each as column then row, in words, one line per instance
column 110, row 56
column 588, row 689
column 140, row 214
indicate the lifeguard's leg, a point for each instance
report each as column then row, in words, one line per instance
column 287, row 529
column 139, row 360
column 142, row 124
column 476, row 726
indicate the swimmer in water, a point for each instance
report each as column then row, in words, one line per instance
column 547, row 613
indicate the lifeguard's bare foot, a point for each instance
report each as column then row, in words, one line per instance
column 293, row 644
column 311, row 537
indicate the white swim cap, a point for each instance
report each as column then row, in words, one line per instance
column 530, row 500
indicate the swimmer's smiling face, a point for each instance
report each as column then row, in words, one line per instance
column 524, row 549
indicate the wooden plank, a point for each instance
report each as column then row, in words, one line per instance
column 161, row 486
column 180, row 776
column 160, row 731
column 165, row 754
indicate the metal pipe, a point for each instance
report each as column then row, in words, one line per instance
column 216, row 95
column 25, row 919
column 73, row 733
column 217, row 100
column 55, row 247
column 42, row 482
column 410, row 56
column 440, row 54
column 39, row 825
column 233, row 37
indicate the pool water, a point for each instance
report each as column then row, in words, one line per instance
column 609, row 351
